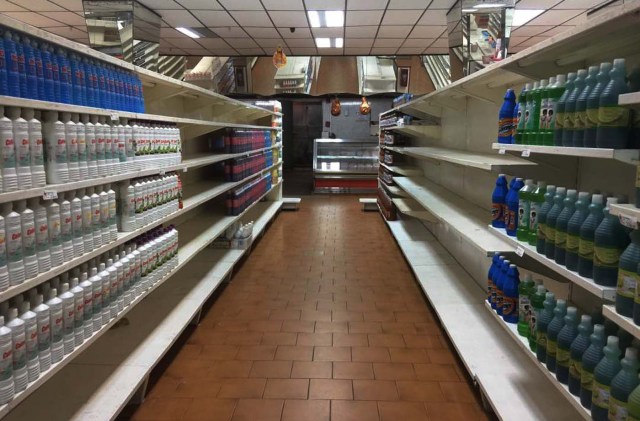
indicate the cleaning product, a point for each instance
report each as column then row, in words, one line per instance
column 628, row 278
column 22, row 70
column 623, row 384
column 513, row 204
column 57, row 326
column 542, row 101
column 106, row 293
column 13, row 229
column 7, row 389
column 56, row 163
column 578, row 347
column 567, row 335
column 95, row 218
column 490, row 285
column 556, row 324
column 611, row 238
column 4, row 270
column 78, row 311
column 524, row 209
column 559, row 109
column 104, row 216
column 96, row 309
column 30, row 320
column 90, row 140
column 113, row 220
column 603, row 374
column 87, row 309
column 537, row 306
column 498, row 199
column 22, row 149
column 55, row 233
column 71, row 137
column 522, row 108
column 587, row 236
column 562, row 224
column 502, row 277
column 27, row 219
column 78, row 232
column 580, row 114
column 633, row 405
column 542, row 323
column 573, row 230
column 551, row 222
column 87, row 228
column 525, row 293
column 127, row 205
column 570, row 108
column 83, row 153
column 541, row 234
column 20, row 379
column 590, row 360
column 11, row 57
column 613, row 119
column 31, row 69
column 531, row 114
column 536, row 200
column 9, row 172
column 101, row 161
column 68, row 322
column 593, row 105
column 497, row 272
column 510, row 305
column 36, row 145
column 66, row 227
column 43, row 320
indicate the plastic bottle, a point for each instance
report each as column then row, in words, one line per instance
column 57, row 326
column 22, row 68
column 7, row 389
column 83, row 153
column 603, row 374
column 4, row 270
column 543, row 117
column 36, row 145
column 578, row 347
column 580, row 114
column 567, row 335
column 590, row 360
column 522, row 107
column 69, row 319
column 87, row 307
column 15, row 261
column 613, row 120
column 104, row 216
column 611, row 238
column 16, row 325
column 57, row 166
column 570, row 108
column 536, row 202
column 573, row 230
column 623, row 384
column 628, row 277
column 91, row 142
column 100, row 146
column 30, row 68
column 505, row 122
column 95, row 218
column 502, row 276
column 55, row 234
column 65, row 77
column 113, row 220
column 537, row 306
column 587, row 236
column 87, row 223
column 510, row 305
column 113, row 288
column 513, row 204
column 556, row 324
column 633, row 405
column 541, row 233
column 76, row 84
column 120, row 283
column 108, row 147
column 78, row 229
column 30, row 320
column 23, row 149
column 43, row 320
column 127, row 204
column 47, row 65
column 551, row 222
column 542, row 323
column 106, row 294
column 11, row 57
column 525, row 295
column 71, row 137
column 559, row 108
column 37, row 55
column 532, row 114
column 57, row 78
column 115, row 158
column 9, row 172
column 495, row 274
column 66, row 227
column 4, row 90
column 561, row 226
column 498, row 199
column 524, row 209
column 29, row 254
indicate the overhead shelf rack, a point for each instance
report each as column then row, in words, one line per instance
column 488, row 162
column 628, row 156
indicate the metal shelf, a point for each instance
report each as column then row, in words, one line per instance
column 487, row 162
column 628, row 156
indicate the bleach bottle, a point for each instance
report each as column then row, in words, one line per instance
column 4, row 90
column 611, row 238
column 11, row 57
column 623, row 384
column 587, row 236
column 613, row 119
column 542, row 323
column 578, row 347
column 603, row 375
column 556, row 324
column 567, row 335
column 590, row 360
column 552, row 219
column 537, row 306
column 499, row 202
column 7, row 389
column 573, row 231
column 562, row 224
column 628, row 277
column 494, row 277
column 541, row 234
column 510, row 295
column 513, row 203
column 505, row 122
column 502, row 277
column 524, row 210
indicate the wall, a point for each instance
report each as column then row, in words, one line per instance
column 350, row 124
column 419, row 81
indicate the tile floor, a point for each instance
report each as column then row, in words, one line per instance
column 323, row 321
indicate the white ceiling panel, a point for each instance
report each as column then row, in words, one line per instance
column 361, row 31
column 436, row 50
column 250, row 51
column 299, row 32
column 557, row 30
column 418, row 42
column 5, row 6
column 360, row 18
column 554, row 17
column 269, row 32
column 172, row 51
column 301, row 42
column 529, row 30
column 229, row 32
column 385, row 42
column 252, row 18
column 39, row 5
column 442, row 4
column 579, row 4
column 383, row 51
column 324, row 4
column 427, row 31
column 223, row 52
column 185, row 42
column 394, row 31
column 358, row 42
column 434, row 17
column 366, row 5
column 213, row 43
column 73, row 5
column 243, row 43
column 330, row 51
column 242, row 5
column 532, row 41
column 357, row 51
column 536, row 4
column 409, row 4
column 197, row 51
column 327, row 32
column 68, row 18
column 578, row 20
column 169, row 33
column 410, row 50
column 283, row 4
column 303, row 51
column 67, row 31
column 401, row 17
column 34, row 19
column 178, row 18
column 516, row 41
column 270, row 42
column 289, row 18
column 200, row 4
column 214, row 18
column 161, row 4
column 440, row 42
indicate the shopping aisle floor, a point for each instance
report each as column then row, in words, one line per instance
column 323, row 321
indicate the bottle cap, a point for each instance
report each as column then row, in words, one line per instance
column 631, row 353
column 561, row 190
column 612, row 201
column 572, row 192
column 13, row 313
column 541, row 289
column 582, row 73
column 65, row 287
column 613, row 341
column 583, row 195
column 585, row 318
column 598, row 330
column 572, row 311
column 597, row 199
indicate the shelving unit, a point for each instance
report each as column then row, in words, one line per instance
column 404, row 170
column 631, row 99
column 609, row 311
column 628, row 156
column 411, row 207
column 416, row 130
column 628, row 214
column 487, row 162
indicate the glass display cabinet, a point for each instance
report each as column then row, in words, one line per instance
column 345, row 165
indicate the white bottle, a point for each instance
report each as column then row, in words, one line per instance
column 13, row 230
column 127, row 206
column 23, row 149
column 69, row 318
column 55, row 140
column 4, row 270
column 146, row 219
column 137, row 131
column 113, row 288
column 71, row 136
column 87, row 228
column 106, row 293
column 57, row 326
column 16, row 325
column 129, row 145
column 120, row 283
column 104, row 216
column 83, row 165
column 66, row 228
column 122, row 149
column 107, row 147
column 29, row 254
column 100, row 147
column 78, row 296
column 9, row 172
column 115, row 159
column 137, row 273
column 42, row 235
column 113, row 219
column 78, row 229
column 87, row 319
column 7, row 389
column 128, row 275
column 43, row 319
column 31, row 335
column 139, row 195
column 95, row 218
column 96, row 283
column 55, row 234
column 90, row 139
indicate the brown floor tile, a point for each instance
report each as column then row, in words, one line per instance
column 285, row 315
column 297, row 326
column 316, row 315
column 198, row 387
column 210, row 409
column 256, row 352
column 394, row 371
column 286, row 389
column 348, row 370
column 386, row 340
column 441, row 356
column 162, row 409
column 311, row 370
column 408, row 355
column 332, row 327
column 265, row 326
column 414, row 316
column 354, row 411
column 379, row 316
column 423, row 341
column 165, row 387
column 218, row 352
column 370, row 354
column 331, row 353
column 242, row 388
column 258, row 409
column 315, row 339
column 229, row 369
column 243, row 338
column 410, row 390
column 365, row 327
column 330, row 389
column 442, row 411
column 375, row 390
column 458, row 392
column 407, row 411
column 350, row 339
column 436, row 372
column 294, row 353
column 279, row 338
column 311, row 410
column 271, row 369
column 346, row 316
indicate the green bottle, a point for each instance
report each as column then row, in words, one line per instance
column 628, row 276
column 531, row 114
column 525, row 293
column 590, row 360
column 580, row 116
column 578, row 347
column 555, row 91
column 633, row 405
column 543, row 122
column 542, row 91
column 542, row 323
column 573, row 230
column 610, row 241
column 522, row 108
column 561, row 226
column 552, row 219
column 541, row 238
column 587, row 235
column 603, row 374
column 558, row 111
column 570, row 108
column 593, row 105
column 623, row 384
column 524, row 209
column 556, row 324
column 613, row 119
column 565, row 338
column 537, row 305
column 536, row 200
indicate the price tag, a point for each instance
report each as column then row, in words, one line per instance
column 162, row 172
column 629, row 221
column 520, row 251
column 50, row 195
column 502, row 151
column 400, row 123
column 526, row 153
column 115, row 117
column 185, row 169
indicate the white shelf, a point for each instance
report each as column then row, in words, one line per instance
column 609, row 311
column 488, row 162
column 411, row 207
column 628, row 214
column 512, row 330
column 406, row 171
column 606, row 293
column 395, row 190
column 458, row 214
column 631, row 99
column 629, row 156
column 416, row 130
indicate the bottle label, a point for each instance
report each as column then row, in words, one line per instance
column 552, row 347
column 561, row 239
column 6, row 365
column 29, row 241
column 550, row 234
column 32, row 344
column 613, row 116
column 563, row 357
column 37, row 151
column 54, row 232
column 573, row 243
column 591, row 118
column 627, row 283
column 558, row 121
column 505, row 128
column 569, row 119
column 575, row 368
column 57, row 328
column 523, row 214
column 541, row 339
column 533, row 317
column 24, row 156
column 19, row 353
column 499, row 298
column 586, row 380
column 14, row 246
column 579, row 120
column 66, row 231
column 604, row 256
column 9, row 153
column 44, row 334
column 586, row 249
column 512, row 220
column 509, row 305
column 544, row 124
column 3, row 249
column 542, row 231
column 496, row 212
column 551, row 113
column 42, row 237
column 524, row 309
column 618, row 410
column 534, row 210
column 490, row 288
column 61, row 151
column 601, row 395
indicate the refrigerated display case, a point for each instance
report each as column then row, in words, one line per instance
column 345, row 165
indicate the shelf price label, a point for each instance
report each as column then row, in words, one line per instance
column 520, row 251
column 114, row 117
column 161, row 172
column 526, row 153
column 50, row 195
column 629, row 221
column 502, row 151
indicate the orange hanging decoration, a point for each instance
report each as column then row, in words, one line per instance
column 279, row 58
column 365, row 107
column 336, row 108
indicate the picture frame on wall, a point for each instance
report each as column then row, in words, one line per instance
column 404, row 76
column 240, row 74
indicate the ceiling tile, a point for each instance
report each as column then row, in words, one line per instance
column 532, row 41
column 5, row 6
column 161, row 4
column 529, row 30
column 383, row 51
column 250, row 51
column 385, row 42
column 357, row 51
column 401, row 17
column 252, row 18
column 558, row 30
column 394, row 31
column 436, row 50
column 214, row 18
column 288, row 18
column 536, row 4
column 242, row 5
column 361, row 31
column 33, row 19
column 229, row 32
column 410, row 50
column 243, row 43
column 418, row 42
column 171, row 51
column 358, row 42
column 178, row 18
column 304, row 51
column 39, row 5
column 427, row 31
column 73, row 5
column 440, row 42
column 269, row 32
column 366, row 5
column 434, row 17
column 554, row 17
column 578, row 20
column 327, row 32
column 270, row 42
column 324, row 4
column 408, row 4
column 67, row 31
column 578, row 4
column 283, row 4
column 301, row 42
column 68, row 18
column 197, row 51
column 516, row 41
column 169, row 33
column 223, row 52
column 369, row 17
column 330, row 51
column 200, row 4
column 213, row 43
column 442, row 4
column 185, row 42
column 299, row 33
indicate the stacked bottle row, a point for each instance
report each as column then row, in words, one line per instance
column 50, row 321
column 241, row 140
column 395, row 118
column 240, row 168
column 39, row 235
column 144, row 200
column 575, row 110
column 241, row 198
column 33, row 69
column 152, row 141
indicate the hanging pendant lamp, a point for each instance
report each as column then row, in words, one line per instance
column 279, row 58
column 365, row 107
column 336, row 108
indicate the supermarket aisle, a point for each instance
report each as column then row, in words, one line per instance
column 323, row 321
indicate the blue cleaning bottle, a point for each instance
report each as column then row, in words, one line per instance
column 590, row 360
column 129, row 92
column 140, row 96
column 37, row 53
column 49, row 93
column 11, row 57
column 55, row 72
column 556, row 324
column 32, row 71
column 499, row 202
column 505, row 118
column 490, row 285
column 578, row 347
column 81, row 81
column 566, row 337
column 22, row 66
column 510, row 295
column 542, row 324
column 502, row 277
column 495, row 276
column 513, row 205
column 102, row 85
column 76, row 83
column 89, row 82
column 66, row 84
column 4, row 90
column 603, row 374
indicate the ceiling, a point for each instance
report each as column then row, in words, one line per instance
column 257, row 27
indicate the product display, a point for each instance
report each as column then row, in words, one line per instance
column 241, row 198
column 241, row 140
column 240, row 168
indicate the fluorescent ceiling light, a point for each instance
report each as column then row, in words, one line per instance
column 334, row 18
column 339, row 42
column 188, row 32
column 323, row 42
column 488, row 5
column 469, row 10
column 522, row 16
column 314, row 18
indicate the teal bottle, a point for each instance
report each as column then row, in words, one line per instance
column 587, row 236
column 542, row 323
column 623, row 384
column 510, row 295
column 558, row 111
column 554, row 93
column 542, row 219
column 593, row 105
column 573, row 230
column 578, row 347
column 552, row 219
column 613, row 120
column 556, row 324
column 603, row 375
column 610, row 241
column 580, row 115
column 543, row 121
column 537, row 306
column 590, row 360
column 525, row 293
column 535, row 137
column 531, row 114
column 566, row 337
column 628, row 276
column 570, row 108
column 522, row 108
column 562, row 224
